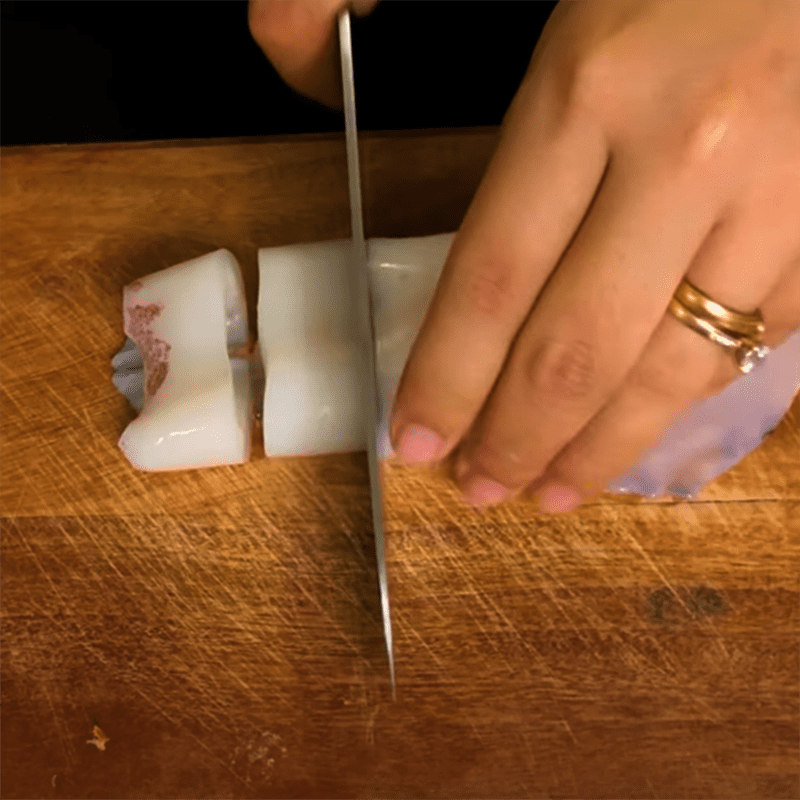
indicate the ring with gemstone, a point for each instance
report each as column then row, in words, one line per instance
column 747, row 350
column 737, row 323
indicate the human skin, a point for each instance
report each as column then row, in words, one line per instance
column 649, row 141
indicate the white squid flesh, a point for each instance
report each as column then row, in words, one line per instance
column 196, row 411
column 194, row 398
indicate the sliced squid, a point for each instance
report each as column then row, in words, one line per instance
column 186, row 325
column 309, row 337
column 185, row 366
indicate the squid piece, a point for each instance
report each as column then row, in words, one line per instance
column 308, row 334
column 182, row 367
column 185, row 366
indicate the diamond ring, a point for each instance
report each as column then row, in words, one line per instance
column 737, row 331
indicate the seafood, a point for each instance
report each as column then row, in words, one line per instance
column 183, row 367
column 308, row 337
column 194, row 398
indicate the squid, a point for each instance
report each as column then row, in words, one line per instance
column 185, row 367
column 188, row 366
column 308, row 335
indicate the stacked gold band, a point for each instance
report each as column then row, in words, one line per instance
column 737, row 323
column 737, row 331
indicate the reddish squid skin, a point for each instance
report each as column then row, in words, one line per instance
column 155, row 351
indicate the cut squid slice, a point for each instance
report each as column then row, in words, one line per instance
column 308, row 338
column 308, row 333
column 183, row 325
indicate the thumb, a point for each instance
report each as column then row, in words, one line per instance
column 299, row 38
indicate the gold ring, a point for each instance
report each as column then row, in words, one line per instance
column 747, row 350
column 738, row 323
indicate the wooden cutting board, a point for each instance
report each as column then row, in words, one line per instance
column 221, row 627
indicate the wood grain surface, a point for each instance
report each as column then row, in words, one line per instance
column 220, row 628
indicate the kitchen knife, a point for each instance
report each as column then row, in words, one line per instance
column 364, row 295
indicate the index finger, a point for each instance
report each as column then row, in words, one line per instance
column 534, row 195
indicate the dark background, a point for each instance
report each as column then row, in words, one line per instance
column 173, row 69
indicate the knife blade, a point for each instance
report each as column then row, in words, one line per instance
column 360, row 264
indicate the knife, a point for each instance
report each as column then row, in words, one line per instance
column 364, row 290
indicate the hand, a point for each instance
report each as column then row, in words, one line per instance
column 648, row 141
column 299, row 38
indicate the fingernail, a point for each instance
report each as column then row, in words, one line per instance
column 418, row 444
column 556, row 498
column 484, row 491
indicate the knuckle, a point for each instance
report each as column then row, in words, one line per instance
column 288, row 26
column 488, row 290
column 504, row 462
column 562, row 371
column 593, row 81
column 660, row 383
column 590, row 74
column 719, row 381
column 269, row 22
column 703, row 137
column 429, row 398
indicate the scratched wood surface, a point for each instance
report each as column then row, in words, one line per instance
column 221, row 627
